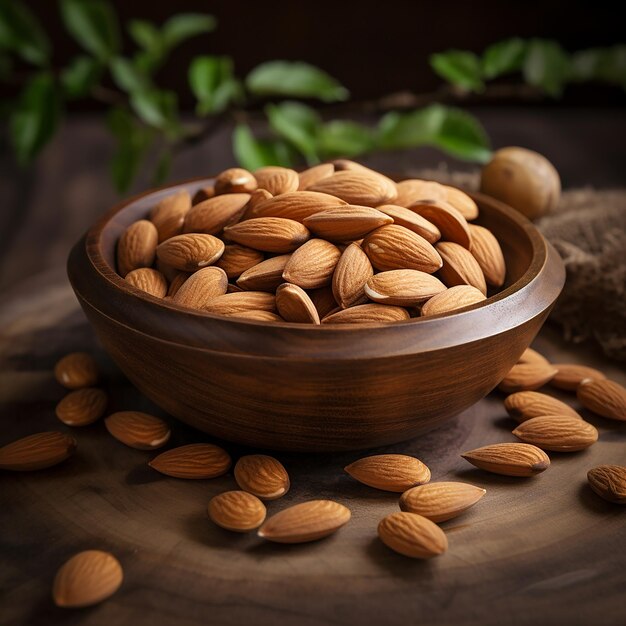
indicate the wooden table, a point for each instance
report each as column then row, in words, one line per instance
column 534, row 551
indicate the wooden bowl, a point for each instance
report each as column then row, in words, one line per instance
column 314, row 388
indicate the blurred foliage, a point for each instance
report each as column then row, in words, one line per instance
column 145, row 120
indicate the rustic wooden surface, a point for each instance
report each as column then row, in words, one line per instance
column 534, row 551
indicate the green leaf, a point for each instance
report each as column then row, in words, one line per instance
column 212, row 82
column 253, row 153
column 145, row 34
column 463, row 136
column 547, row 66
column 80, row 76
column 298, row 124
column 600, row 64
column 503, row 57
column 459, row 68
column 408, row 130
column 156, row 108
column 93, row 24
column 186, row 25
column 36, row 118
column 294, row 79
column 126, row 76
column 22, row 33
column 341, row 138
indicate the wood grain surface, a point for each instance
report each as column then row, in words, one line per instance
column 532, row 551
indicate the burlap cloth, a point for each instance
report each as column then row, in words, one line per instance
column 588, row 228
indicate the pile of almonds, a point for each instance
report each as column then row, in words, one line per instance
column 338, row 243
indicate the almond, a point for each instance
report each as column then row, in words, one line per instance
column 367, row 314
column 604, row 397
column 82, row 407
column 237, row 259
column 415, row 190
column 509, row 459
column 138, row 430
column 363, row 188
column 266, row 276
column 346, row 164
column 559, row 433
column 238, row 511
column 76, row 370
column 314, row 174
column 394, row 247
column 486, row 250
column 202, row 194
column 452, row 225
column 168, row 215
column 195, row 460
column 452, row 299
column 352, row 271
column 569, row 375
column 259, row 316
column 389, row 472
column 270, row 234
column 323, row 299
column 87, row 578
column 294, row 305
column 276, row 179
column 461, row 202
column 212, row 215
column 346, row 223
column 532, row 356
column 460, row 267
column 257, row 198
column 148, row 280
column 442, row 501
column 262, row 476
column 169, row 272
column 231, row 303
column 296, row 205
column 526, row 377
column 609, row 482
column 307, row 521
column 525, row 405
column 403, row 287
column 136, row 247
column 190, row 252
column 412, row 221
column 412, row 535
column 312, row 265
column 201, row 287
column 37, row 451
column 235, row 180
column 177, row 282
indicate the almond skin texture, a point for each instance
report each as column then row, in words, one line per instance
column 256, row 198
column 394, row 247
column 412, row 221
column 177, row 282
column 269, row 234
column 486, row 250
column 609, row 482
column 525, row 405
column 363, row 188
column 37, row 451
column 238, row 511
column 202, row 287
column 86, row 579
column 460, row 267
column 296, row 205
column 389, row 472
column 441, row 501
column 294, row 305
column 76, row 370
column 194, row 461
column 509, row 459
column 415, row 190
column 532, row 356
column 367, row 314
column 403, row 287
column 452, row 225
column 138, row 430
column 191, row 252
column 82, row 407
column 148, row 280
column 412, row 535
column 277, row 180
column 569, row 375
column 314, row 174
column 235, row 180
column 262, row 475
column 558, row 433
column 452, row 299
column 136, row 247
column 212, row 215
column 242, row 301
column 266, row 276
column 346, row 223
column 204, row 193
column 527, row 377
column 307, row 521
column 259, row 316
column 312, row 265
column 168, row 215
column 461, row 202
column 352, row 271
column 604, row 397
column 237, row 259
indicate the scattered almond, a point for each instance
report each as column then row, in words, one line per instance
column 525, row 405
column 451, row 299
column 460, row 267
column 202, row 194
column 190, row 252
column 201, row 288
column 37, row 451
column 76, row 370
column 411, row 220
column 532, row 356
column 609, row 482
column 558, row 433
column 389, row 472
column 138, row 430
column 212, row 215
column 148, row 280
column 403, row 287
column 360, row 187
column 314, row 174
column 168, row 215
column 294, row 305
column 487, row 252
column 461, row 202
column 231, row 303
column 452, row 225
column 237, row 259
column 367, row 314
column 509, row 459
column 277, row 180
column 177, row 282
column 569, row 375
column 441, row 501
column 604, row 397
column 259, row 316
column 296, row 205
column 351, row 273
column 527, row 377
column 312, row 265
column 238, row 511
column 195, row 461
column 346, row 223
column 323, row 299
column 82, row 407
column 262, row 476
column 136, row 247
column 412, row 535
column 235, row 180
column 266, row 276
column 414, row 190
column 269, row 234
